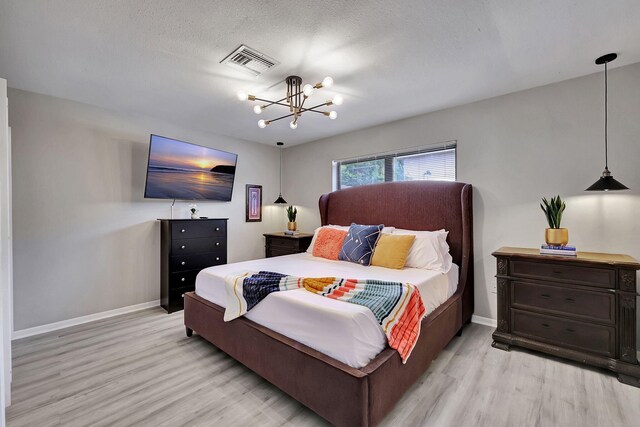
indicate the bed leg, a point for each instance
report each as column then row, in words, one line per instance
column 189, row 331
column 459, row 333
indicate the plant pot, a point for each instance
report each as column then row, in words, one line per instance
column 194, row 215
column 556, row 236
column 292, row 226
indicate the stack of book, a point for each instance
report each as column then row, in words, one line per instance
column 291, row 233
column 558, row 250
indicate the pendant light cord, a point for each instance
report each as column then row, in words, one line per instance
column 606, row 97
column 281, row 170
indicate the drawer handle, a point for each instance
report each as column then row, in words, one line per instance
column 217, row 228
column 182, row 280
column 571, row 300
column 182, row 247
column 556, row 273
column 183, row 230
column 183, row 263
column 217, row 258
column 182, row 295
column 570, row 330
column 546, row 325
column 217, row 243
column 545, row 295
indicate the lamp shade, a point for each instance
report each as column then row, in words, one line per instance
column 280, row 201
column 607, row 183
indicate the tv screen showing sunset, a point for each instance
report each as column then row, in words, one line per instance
column 179, row 170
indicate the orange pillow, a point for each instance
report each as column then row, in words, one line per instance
column 328, row 243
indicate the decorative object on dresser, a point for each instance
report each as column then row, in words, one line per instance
column 277, row 244
column 554, row 235
column 193, row 208
column 292, row 213
column 581, row 308
column 186, row 247
column 253, row 206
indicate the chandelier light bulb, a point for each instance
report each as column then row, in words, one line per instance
column 333, row 115
column 293, row 125
column 262, row 124
column 337, row 100
column 327, row 82
column 257, row 109
column 242, row 96
column 307, row 90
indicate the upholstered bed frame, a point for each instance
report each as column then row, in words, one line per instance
column 339, row 393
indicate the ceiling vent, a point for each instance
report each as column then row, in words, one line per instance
column 249, row 60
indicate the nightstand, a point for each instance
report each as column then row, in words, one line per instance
column 277, row 244
column 581, row 308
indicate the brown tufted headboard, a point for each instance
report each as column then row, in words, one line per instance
column 417, row 205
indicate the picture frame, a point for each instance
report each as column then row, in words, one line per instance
column 253, row 203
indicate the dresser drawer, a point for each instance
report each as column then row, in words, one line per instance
column 589, row 305
column 197, row 261
column 176, row 298
column 566, row 333
column 591, row 276
column 182, row 279
column 277, row 251
column 194, row 246
column 195, row 228
column 284, row 243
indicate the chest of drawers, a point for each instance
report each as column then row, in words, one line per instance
column 581, row 308
column 187, row 246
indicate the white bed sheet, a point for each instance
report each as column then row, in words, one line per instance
column 344, row 331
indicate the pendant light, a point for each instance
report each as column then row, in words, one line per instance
column 280, row 200
column 606, row 181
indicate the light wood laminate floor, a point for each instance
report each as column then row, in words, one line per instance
column 140, row 369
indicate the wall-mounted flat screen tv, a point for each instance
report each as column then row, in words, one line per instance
column 180, row 170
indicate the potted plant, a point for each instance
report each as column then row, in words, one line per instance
column 554, row 235
column 291, row 214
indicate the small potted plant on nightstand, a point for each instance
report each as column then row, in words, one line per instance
column 554, row 235
column 291, row 214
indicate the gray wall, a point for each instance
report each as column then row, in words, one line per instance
column 85, row 239
column 514, row 149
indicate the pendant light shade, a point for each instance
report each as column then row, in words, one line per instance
column 280, row 200
column 606, row 181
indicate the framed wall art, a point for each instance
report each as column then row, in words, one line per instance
column 254, row 203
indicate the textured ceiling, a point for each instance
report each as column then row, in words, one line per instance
column 389, row 59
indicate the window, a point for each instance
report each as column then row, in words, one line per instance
column 427, row 163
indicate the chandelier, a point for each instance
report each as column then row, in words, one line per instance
column 295, row 100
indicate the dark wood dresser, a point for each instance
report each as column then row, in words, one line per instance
column 581, row 308
column 186, row 247
column 277, row 244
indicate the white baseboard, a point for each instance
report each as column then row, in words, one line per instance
column 37, row 330
column 486, row 321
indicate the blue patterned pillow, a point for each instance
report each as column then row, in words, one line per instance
column 359, row 244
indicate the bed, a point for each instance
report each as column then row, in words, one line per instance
column 361, row 390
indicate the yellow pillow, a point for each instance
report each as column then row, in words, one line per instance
column 392, row 251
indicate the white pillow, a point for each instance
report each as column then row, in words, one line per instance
column 387, row 230
column 430, row 250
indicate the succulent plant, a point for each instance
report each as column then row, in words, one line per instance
column 553, row 210
column 291, row 213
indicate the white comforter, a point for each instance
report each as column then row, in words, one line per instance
column 347, row 332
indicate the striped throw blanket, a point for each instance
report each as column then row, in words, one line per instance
column 396, row 306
